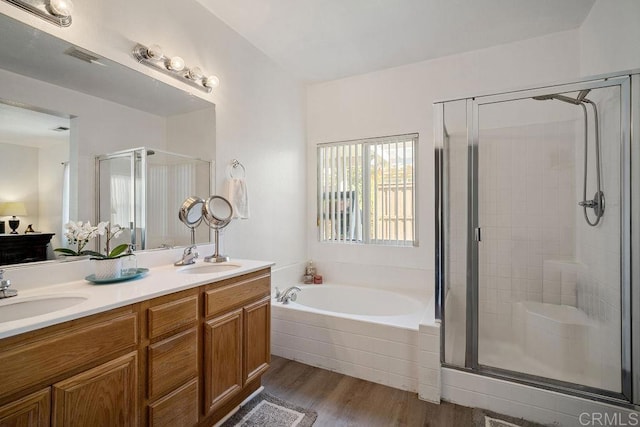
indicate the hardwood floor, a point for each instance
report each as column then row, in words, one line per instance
column 346, row 401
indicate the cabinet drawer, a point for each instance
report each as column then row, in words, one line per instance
column 172, row 316
column 38, row 360
column 226, row 297
column 179, row 408
column 172, row 362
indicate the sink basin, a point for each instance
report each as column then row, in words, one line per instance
column 16, row 308
column 208, row 268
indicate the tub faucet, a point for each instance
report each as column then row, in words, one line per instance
column 188, row 256
column 289, row 294
column 5, row 292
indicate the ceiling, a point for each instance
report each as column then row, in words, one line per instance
column 28, row 127
column 318, row 40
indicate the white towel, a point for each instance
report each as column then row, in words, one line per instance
column 238, row 197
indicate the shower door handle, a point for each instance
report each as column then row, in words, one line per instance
column 478, row 232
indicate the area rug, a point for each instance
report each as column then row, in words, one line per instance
column 494, row 422
column 486, row 418
column 266, row 410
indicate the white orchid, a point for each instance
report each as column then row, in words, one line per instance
column 80, row 233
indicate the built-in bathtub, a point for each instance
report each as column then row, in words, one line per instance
column 385, row 337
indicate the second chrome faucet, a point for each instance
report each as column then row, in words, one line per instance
column 189, row 256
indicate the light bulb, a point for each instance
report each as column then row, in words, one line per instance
column 195, row 73
column 211, row 82
column 176, row 64
column 154, row 52
column 62, row 8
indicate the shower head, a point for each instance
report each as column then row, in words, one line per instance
column 575, row 101
column 543, row 97
column 582, row 94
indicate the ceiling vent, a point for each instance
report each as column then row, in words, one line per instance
column 83, row 55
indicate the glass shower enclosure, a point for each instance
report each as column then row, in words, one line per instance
column 537, row 258
column 142, row 189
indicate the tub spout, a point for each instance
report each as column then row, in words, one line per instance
column 288, row 294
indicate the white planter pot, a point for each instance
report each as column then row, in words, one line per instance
column 107, row 268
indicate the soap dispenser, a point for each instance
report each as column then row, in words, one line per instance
column 309, row 272
column 129, row 262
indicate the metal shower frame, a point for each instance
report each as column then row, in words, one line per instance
column 629, row 83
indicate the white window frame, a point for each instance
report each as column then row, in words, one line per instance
column 337, row 199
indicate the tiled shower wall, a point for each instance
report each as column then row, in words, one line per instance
column 527, row 212
column 456, row 255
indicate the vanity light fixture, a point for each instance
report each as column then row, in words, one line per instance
column 174, row 66
column 55, row 11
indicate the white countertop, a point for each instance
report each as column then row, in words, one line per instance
column 160, row 280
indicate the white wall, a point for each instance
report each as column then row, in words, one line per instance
column 609, row 37
column 50, row 177
column 19, row 183
column 259, row 108
column 399, row 100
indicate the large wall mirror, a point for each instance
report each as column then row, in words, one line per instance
column 59, row 110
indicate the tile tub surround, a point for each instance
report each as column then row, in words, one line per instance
column 403, row 357
column 67, row 278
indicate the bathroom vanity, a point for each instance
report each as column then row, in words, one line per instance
column 152, row 354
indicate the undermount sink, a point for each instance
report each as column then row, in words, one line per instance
column 22, row 308
column 208, row 268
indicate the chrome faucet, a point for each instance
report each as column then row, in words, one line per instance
column 5, row 292
column 188, row 256
column 289, row 294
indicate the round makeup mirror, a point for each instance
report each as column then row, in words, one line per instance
column 191, row 214
column 217, row 214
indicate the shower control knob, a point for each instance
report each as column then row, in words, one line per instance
column 588, row 203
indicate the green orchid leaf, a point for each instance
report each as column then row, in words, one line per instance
column 93, row 254
column 118, row 250
column 66, row 251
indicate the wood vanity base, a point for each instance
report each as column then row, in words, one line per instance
column 184, row 359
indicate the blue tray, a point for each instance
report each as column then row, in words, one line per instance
column 139, row 273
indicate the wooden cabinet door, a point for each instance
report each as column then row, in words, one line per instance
column 222, row 359
column 30, row 411
column 177, row 409
column 105, row 396
column 257, row 330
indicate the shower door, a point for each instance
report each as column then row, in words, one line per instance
column 549, row 284
column 534, row 264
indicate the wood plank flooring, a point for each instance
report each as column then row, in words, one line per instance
column 346, row 401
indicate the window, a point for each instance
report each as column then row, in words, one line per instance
column 366, row 191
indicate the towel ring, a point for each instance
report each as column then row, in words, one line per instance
column 234, row 165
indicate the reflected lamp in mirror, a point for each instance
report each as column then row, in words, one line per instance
column 175, row 67
column 55, row 11
column 13, row 209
